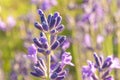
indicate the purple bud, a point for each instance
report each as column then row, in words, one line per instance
column 60, row 28
column 59, row 19
column 37, row 42
column 35, row 74
column 40, row 12
column 48, row 52
column 43, row 40
column 62, row 39
column 49, row 19
column 42, row 16
column 63, row 73
column 45, row 26
column 39, row 71
column 56, row 14
column 97, row 60
column 45, row 45
column 55, row 45
column 58, row 68
column 52, row 23
column 42, row 34
column 54, row 75
column 107, row 63
column 41, row 64
column 40, row 50
column 53, row 31
column 38, row 26
column 105, row 74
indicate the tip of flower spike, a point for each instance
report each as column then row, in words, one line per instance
column 40, row 12
column 56, row 14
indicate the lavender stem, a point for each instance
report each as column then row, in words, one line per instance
column 48, row 59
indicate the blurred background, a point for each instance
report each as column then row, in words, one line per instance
column 90, row 25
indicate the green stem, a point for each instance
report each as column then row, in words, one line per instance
column 48, row 58
column 48, row 67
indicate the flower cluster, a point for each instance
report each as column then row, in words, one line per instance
column 103, row 66
column 47, row 66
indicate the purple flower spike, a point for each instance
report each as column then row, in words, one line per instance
column 66, row 59
column 46, row 46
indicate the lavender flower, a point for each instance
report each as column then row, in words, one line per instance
column 93, row 13
column 49, row 41
column 102, row 66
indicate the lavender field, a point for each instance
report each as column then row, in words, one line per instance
column 59, row 39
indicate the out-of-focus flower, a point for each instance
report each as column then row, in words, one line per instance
column 65, row 45
column 102, row 66
column 87, row 40
column 45, row 4
column 100, row 39
column 2, row 26
column 32, row 53
column 88, row 71
column 67, row 58
column 11, row 21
